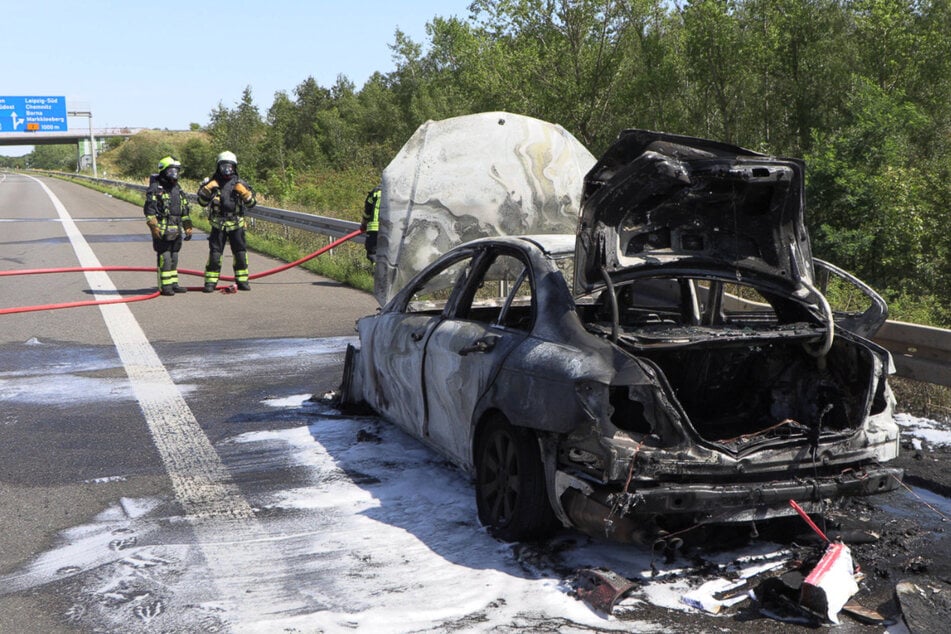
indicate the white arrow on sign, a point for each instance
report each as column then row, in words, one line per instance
column 16, row 121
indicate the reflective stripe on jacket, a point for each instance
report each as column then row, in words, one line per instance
column 371, row 210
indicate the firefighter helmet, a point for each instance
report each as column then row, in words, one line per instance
column 167, row 162
column 228, row 157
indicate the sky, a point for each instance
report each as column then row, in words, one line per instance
column 167, row 65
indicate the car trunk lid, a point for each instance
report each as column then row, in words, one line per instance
column 657, row 198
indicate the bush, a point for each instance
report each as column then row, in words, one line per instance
column 139, row 155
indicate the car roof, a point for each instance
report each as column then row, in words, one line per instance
column 554, row 244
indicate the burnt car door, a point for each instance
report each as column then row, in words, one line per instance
column 398, row 341
column 855, row 305
column 464, row 353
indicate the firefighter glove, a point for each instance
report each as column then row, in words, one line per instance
column 152, row 222
column 243, row 191
column 208, row 189
column 188, row 234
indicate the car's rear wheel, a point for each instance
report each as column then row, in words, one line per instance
column 510, row 483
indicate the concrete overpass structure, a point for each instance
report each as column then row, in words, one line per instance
column 61, row 138
column 38, row 120
column 64, row 137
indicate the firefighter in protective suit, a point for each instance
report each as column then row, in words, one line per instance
column 226, row 197
column 370, row 222
column 167, row 216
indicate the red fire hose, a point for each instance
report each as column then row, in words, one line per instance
column 139, row 298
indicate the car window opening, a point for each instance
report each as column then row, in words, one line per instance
column 432, row 294
column 503, row 297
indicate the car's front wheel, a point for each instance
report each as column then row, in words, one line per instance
column 510, row 483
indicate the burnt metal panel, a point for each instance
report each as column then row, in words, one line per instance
column 480, row 175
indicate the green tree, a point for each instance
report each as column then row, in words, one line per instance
column 560, row 60
column 799, row 50
column 654, row 92
column 276, row 162
column 378, row 123
column 140, row 154
column 240, row 130
column 886, row 39
column 868, row 200
column 422, row 85
column 197, row 157
column 931, row 85
column 301, row 139
column 54, row 157
column 716, row 48
column 336, row 126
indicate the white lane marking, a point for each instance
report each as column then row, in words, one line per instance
column 201, row 482
column 59, row 220
column 199, row 478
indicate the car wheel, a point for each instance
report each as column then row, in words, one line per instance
column 349, row 401
column 346, row 384
column 510, row 483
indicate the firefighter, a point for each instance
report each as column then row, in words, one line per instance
column 226, row 197
column 167, row 216
column 370, row 222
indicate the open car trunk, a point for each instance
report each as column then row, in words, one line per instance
column 743, row 390
column 705, row 272
column 746, row 366
column 737, row 401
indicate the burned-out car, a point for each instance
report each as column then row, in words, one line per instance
column 673, row 362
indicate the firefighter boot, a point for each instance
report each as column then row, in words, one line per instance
column 244, row 286
column 179, row 289
column 168, row 291
column 209, row 287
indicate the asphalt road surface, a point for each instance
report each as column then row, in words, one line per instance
column 127, row 401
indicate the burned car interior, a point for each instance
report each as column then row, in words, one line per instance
column 742, row 365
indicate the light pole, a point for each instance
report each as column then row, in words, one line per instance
column 92, row 139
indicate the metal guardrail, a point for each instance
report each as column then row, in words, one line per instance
column 333, row 227
column 308, row 222
column 921, row 353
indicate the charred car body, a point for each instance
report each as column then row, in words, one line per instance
column 673, row 362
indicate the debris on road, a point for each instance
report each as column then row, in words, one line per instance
column 831, row 583
column 925, row 604
column 715, row 595
column 600, row 588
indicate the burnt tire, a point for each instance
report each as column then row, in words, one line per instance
column 510, row 483
column 348, row 401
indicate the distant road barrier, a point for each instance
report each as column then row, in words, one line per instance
column 332, row 227
column 921, row 353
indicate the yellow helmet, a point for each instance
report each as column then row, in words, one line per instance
column 167, row 162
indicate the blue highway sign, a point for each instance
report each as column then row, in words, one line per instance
column 33, row 114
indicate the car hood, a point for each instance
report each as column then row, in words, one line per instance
column 482, row 175
column 659, row 199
